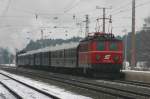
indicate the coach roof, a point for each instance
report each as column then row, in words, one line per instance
column 52, row 48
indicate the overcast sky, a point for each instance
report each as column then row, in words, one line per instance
column 22, row 20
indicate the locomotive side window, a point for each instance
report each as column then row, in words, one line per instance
column 83, row 47
column 113, row 46
column 100, row 46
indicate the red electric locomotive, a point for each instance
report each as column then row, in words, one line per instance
column 101, row 53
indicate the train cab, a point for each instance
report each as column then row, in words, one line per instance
column 101, row 52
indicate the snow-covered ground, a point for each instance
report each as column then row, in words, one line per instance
column 136, row 71
column 54, row 90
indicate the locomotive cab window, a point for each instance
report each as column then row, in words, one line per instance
column 113, row 46
column 100, row 46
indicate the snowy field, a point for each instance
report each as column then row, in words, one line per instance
column 13, row 65
column 54, row 90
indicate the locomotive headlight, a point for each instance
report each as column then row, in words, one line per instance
column 98, row 57
column 116, row 58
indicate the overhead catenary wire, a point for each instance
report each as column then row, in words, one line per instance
column 142, row 4
column 67, row 10
column 120, row 7
column 128, row 9
column 68, row 5
column 118, row 12
column 123, row 6
column 7, row 8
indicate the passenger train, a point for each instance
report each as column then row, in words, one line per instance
column 99, row 54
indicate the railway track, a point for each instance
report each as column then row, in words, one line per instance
column 106, row 88
column 136, row 83
column 31, row 91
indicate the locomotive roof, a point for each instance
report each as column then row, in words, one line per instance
column 52, row 48
column 101, row 37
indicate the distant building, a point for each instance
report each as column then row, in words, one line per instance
column 5, row 56
column 1, row 57
column 142, row 65
column 146, row 27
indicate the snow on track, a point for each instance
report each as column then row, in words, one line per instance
column 5, row 94
column 24, row 91
column 53, row 90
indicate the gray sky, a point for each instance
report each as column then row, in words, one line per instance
column 18, row 23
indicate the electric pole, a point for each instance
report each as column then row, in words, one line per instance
column 125, row 48
column 42, row 34
column 87, row 25
column 133, row 59
column 104, row 16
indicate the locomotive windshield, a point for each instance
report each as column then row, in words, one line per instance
column 100, row 46
column 108, row 45
column 113, row 46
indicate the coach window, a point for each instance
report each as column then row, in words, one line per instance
column 69, row 53
column 84, row 47
column 74, row 53
column 57, row 54
column 54, row 53
column 61, row 54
